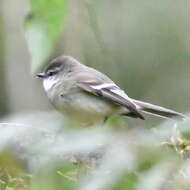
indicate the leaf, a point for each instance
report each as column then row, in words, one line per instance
column 43, row 26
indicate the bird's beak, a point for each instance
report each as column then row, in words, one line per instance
column 40, row 75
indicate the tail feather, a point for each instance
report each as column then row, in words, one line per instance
column 158, row 110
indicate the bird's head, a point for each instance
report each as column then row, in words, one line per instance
column 57, row 68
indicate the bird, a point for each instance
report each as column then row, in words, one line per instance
column 89, row 96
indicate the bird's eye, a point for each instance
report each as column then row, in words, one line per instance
column 51, row 73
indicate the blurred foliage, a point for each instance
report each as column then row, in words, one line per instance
column 3, row 94
column 46, row 155
column 60, row 178
column 12, row 175
column 144, row 47
column 43, row 27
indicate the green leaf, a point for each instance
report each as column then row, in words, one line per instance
column 65, row 178
column 43, row 26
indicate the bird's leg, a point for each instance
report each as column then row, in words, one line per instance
column 105, row 119
column 129, row 114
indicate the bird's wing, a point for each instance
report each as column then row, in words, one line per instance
column 111, row 92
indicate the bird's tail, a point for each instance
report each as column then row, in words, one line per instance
column 158, row 111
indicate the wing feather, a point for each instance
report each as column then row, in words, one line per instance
column 112, row 93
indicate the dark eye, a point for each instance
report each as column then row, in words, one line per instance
column 51, row 73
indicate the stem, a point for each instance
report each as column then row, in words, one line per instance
column 3, row 94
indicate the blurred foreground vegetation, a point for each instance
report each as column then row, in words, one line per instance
column 44, row 154
column 143, row 46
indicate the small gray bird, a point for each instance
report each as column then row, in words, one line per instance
column 89, row 96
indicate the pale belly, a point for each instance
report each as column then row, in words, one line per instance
column 85, row 108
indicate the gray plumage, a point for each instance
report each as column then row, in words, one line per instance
column 86, row 94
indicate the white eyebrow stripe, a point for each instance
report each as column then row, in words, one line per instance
column 104, row 85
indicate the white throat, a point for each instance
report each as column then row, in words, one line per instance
column 49, row 82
